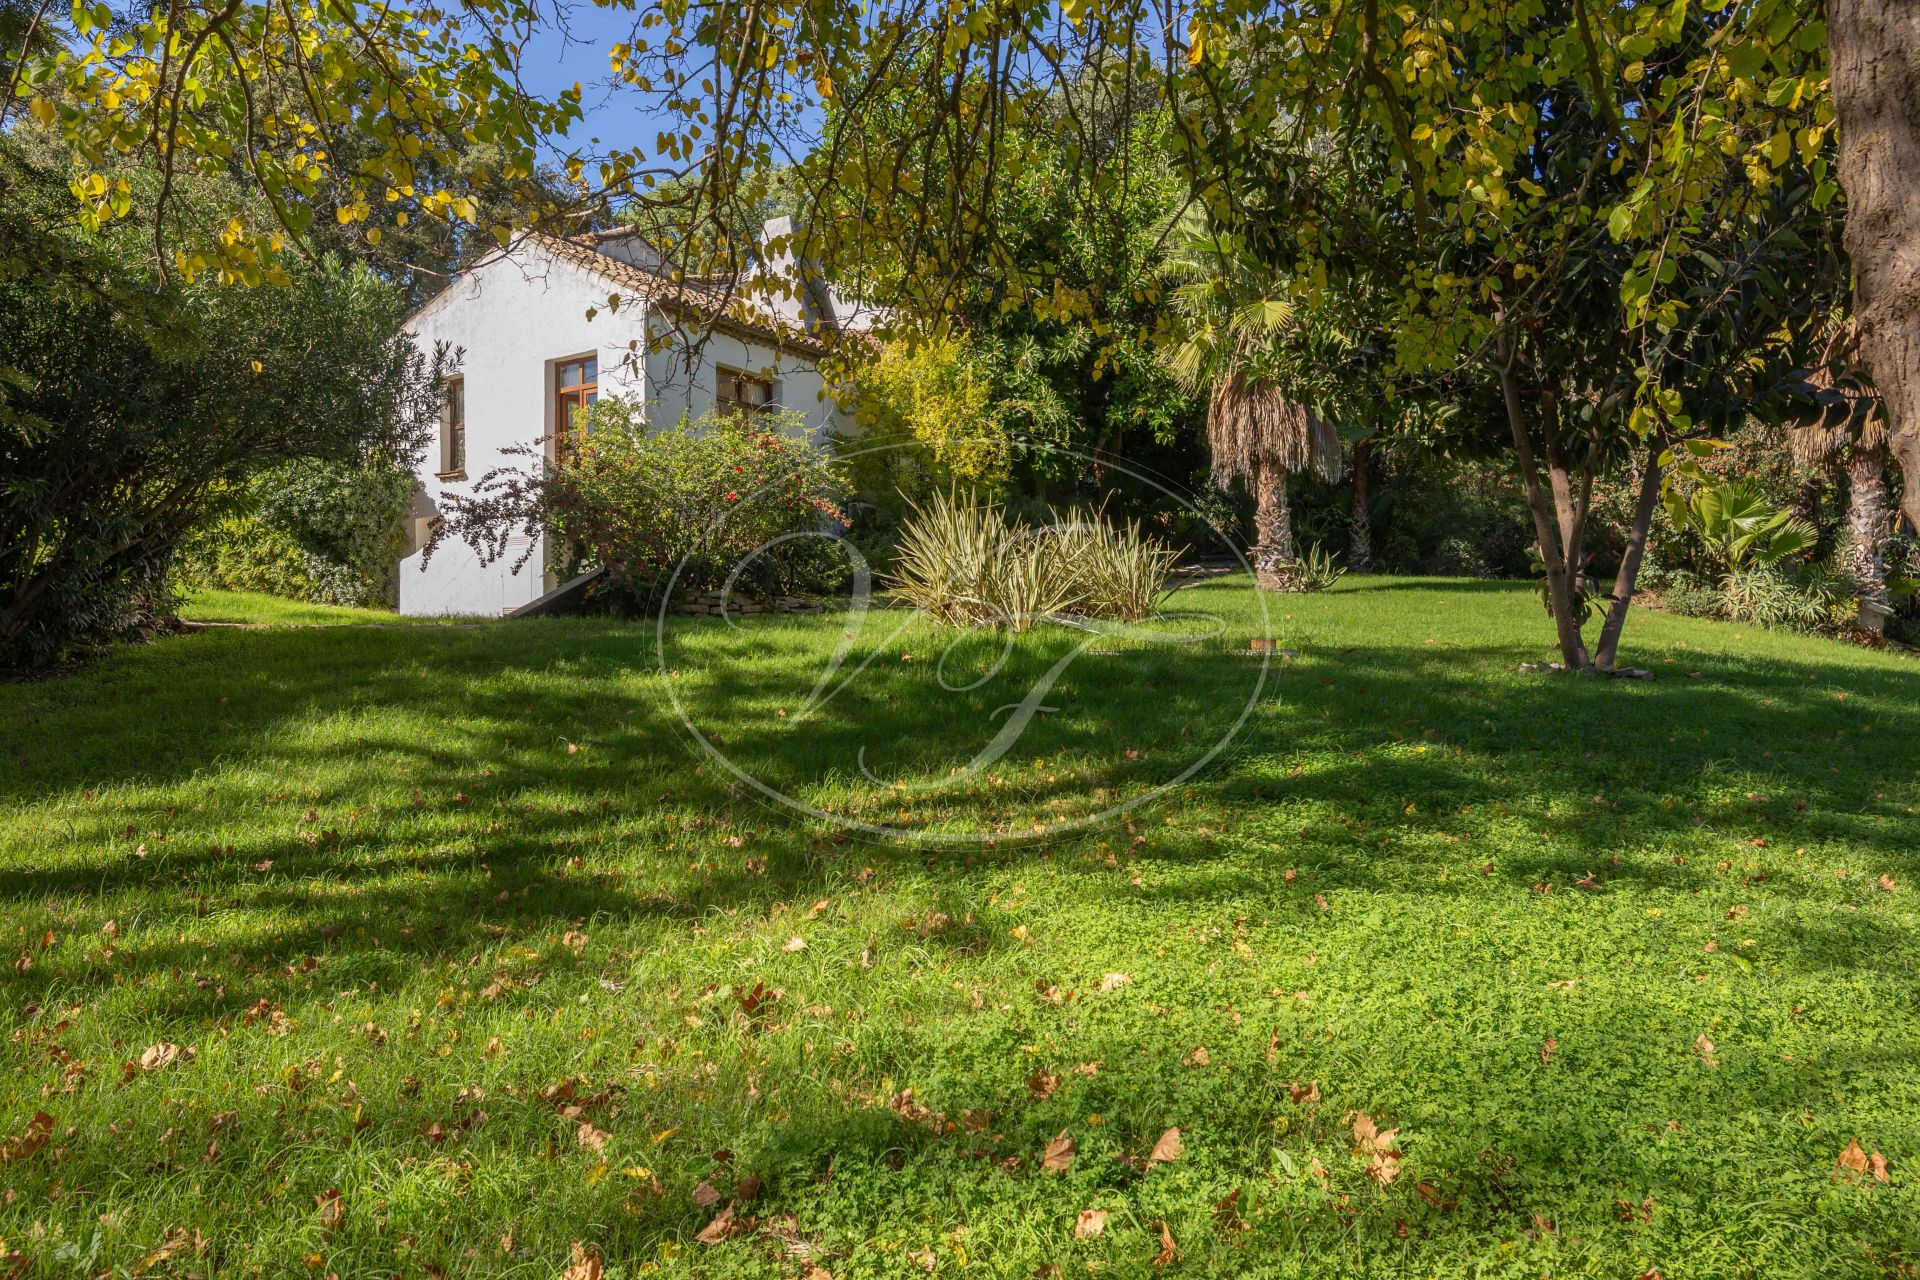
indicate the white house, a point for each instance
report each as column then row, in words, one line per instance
column 550, row 324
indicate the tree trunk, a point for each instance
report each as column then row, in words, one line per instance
column 1562, row 601
column 1359, row 523
column 1868, row 516
column 1274, row 560
column 1623, row 582
column 1875, row 51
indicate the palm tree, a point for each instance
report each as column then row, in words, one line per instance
column 1849, row 433
column 1235, row 320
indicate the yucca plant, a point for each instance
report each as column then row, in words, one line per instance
column 1318, row 569
column 1122, row 572
column 1033, row 578
column 946, row 559
column 964, row 564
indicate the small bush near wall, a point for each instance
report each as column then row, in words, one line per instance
column 329, row 532
column 707, row 496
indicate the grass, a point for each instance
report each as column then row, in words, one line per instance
column 248, row 608
column 469, row 953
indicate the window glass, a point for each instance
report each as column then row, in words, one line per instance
column 453, row 448
column 575, row 386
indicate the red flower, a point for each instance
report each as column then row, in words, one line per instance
column 733, row 497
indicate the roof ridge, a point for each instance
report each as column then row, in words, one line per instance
column 714, row 307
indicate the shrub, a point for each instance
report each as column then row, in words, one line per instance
column 1317, row 570
column 1817, row 597
column 332, row 533
column 1738, row 526
column 130, row 406
column 239, row 551
column 928, row 421
column 964, row 563
column 710, row 497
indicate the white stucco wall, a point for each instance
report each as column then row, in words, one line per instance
column 507, row 322
column 684, row 376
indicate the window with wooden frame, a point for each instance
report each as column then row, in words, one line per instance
column 742, row 393
column 453, row 431
column 576, row 384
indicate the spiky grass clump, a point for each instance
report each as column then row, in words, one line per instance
column 964, row 563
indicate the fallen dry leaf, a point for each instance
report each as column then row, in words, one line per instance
column 795, row 943
column 585, row 1266
column 39, row 1130
column 1114, row 981
column 1059, row 1153
column 705, row 1196
column 1042, row 1083
column 1704, row 1047
column 1199, row 1057
column 1090, row 1224
column 923, row 1258
column 590, row 1138
column 155, row 1057
column 1855, row 1161
column 719, row 1229
column 1168, row 1148
column 1376, row 1144
column 1167, row 1250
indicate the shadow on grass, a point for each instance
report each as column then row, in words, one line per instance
column 443, row 789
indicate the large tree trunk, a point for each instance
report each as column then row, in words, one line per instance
column 1875, row 51
column 1548, row 521
column 1274, row 561
column 1621, row 600
column 1359, row 523
column 1867, row 520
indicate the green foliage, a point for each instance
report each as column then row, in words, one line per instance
column 377, row 119
column 1813, row 598
column 927, row 421
column 130, row 409
column 964, row 563
column 1317, row 569
column 1738, row 525
column 320, row 531
column 238, row 550
column 705, row 497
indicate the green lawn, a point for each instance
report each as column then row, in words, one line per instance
column 247, row 608
column 468, row 952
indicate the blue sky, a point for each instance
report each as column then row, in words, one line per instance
column 551, row 63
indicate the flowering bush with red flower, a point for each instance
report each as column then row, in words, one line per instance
column 701, row 496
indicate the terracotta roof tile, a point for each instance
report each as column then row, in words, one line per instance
column 704, row 302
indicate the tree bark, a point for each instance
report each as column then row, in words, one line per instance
column 1359, row 522
column 1561, row 602
column 1875, row 50
column 1868, row 515
column 1274, row 560
column 1607, row 651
